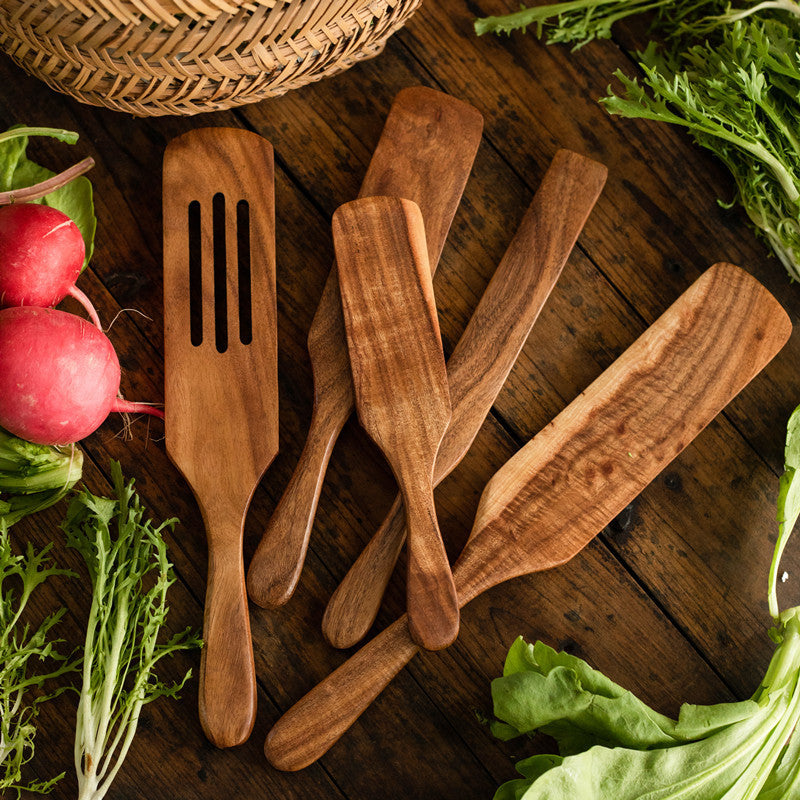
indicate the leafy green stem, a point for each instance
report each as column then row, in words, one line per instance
column 70, row 137
column 768, row 5
column 126, row 556
column 45, row 187
column 788, row 507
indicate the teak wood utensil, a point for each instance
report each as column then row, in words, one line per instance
column 479, row 366
column 221, row 368
column 400, row 383
column 425, row 154
column 562, row 488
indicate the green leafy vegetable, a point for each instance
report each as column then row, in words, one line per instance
column 33, row 476
column 578, row 22
column 612, row 745
column 17, row 171
column 20, row 647
column 126, row 556
column 730, row 76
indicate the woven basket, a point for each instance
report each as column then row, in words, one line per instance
column 155, row 57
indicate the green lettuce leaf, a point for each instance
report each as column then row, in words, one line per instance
column 562, row 696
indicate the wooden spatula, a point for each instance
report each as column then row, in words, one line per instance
column 221, row 368
column 479, row 366
column 425, row 154
column 400, row 383
column 560, row 490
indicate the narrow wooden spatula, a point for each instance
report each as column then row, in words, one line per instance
column 560, row 490
column 400, row 383
column 425, row 154
column 221, row 368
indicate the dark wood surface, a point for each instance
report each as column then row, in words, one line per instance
column 670, row 599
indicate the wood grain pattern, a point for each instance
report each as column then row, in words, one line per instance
column 425, row 154
column 222, row 407
column 560, row 490
column 479, row 365
column 400, row 383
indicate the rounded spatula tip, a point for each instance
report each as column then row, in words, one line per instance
column 225, row 729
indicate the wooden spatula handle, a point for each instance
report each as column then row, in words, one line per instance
column 354, row 605
column 278, row 561
column 227, row 672
column 309, row 728
column 432, row 602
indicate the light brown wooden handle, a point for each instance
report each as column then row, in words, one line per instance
column 309, row 728
column 354, row 605
column 278, row 561
column 430, row 592
column 227, row 671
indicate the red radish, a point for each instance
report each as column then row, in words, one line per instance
column 59, row 376
column 41, row 257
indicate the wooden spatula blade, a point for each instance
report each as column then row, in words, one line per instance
column 624, row 429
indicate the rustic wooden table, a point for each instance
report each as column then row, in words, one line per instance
column 670, row 600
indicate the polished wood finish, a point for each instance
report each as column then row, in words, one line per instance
column 572, row 479
column 221, row 381
column 400, row 383
column 425, row 154
column 669, row 600
column 479, row 365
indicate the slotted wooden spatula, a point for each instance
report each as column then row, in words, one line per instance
column 425, row 154
column 478, row 367
column 400, row 383
column 220, row 352
column 560, row 490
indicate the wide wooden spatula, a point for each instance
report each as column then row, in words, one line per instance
column 400, row 383
column 560, row 490
column 221, row 368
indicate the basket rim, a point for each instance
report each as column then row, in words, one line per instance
column 162, row 12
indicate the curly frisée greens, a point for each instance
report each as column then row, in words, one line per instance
column 729, row 75
column 129, row 571
column 23, row 652
column 612, row 745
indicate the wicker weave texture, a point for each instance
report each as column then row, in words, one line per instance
column 157, row 57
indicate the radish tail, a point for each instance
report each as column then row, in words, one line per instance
column 75, row 292
column 126, row 407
